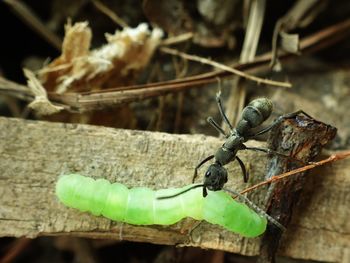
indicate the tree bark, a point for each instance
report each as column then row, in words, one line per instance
column 303, row 139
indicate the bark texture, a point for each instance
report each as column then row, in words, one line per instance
column 33, row 154
column 303, row 139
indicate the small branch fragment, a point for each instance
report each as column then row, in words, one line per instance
column 301, row 138
column 276, row 178
column 300, row 15
column 225, row 68
column 15, row 250
column 108, row 12
column 236, row 99
column 29, row 17
column 177, row 39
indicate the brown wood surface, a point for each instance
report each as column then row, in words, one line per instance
column 304, row 139
column 33, row 154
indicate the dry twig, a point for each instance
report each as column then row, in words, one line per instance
column 296, row 17
column 236, row 99
column 108, row 12
column 333, row 158
column 177, row 39
column 28, row 16
column 224, row 67
column 16, row 249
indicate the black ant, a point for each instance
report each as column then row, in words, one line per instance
column 253, row 115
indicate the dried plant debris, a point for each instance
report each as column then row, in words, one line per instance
column 82, row 69
column 301, row 14
column 41, row 105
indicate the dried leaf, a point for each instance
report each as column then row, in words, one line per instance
column 290, row 42
column 78, row 68
column 41, row 104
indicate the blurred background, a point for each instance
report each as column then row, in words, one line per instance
column 93, row 47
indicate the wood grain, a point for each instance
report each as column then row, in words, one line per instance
column 33, row 154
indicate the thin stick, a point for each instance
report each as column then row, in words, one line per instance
column 332, row 158
column 237, row 95
column 108, row 12
column 16, row 249
column 224, row 67
column 28, row 16
column 177, row 39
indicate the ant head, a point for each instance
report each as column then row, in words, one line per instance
column 215, row 177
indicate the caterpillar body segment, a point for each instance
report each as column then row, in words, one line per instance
column 232, row 215
column 140, row 206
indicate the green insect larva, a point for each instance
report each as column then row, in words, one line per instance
column 140, row 206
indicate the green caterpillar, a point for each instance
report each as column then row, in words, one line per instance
column 140, row 206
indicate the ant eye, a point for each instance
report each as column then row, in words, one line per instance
column 207, row 174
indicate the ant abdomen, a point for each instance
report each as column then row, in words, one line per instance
column 254, row 114
column 263, row 107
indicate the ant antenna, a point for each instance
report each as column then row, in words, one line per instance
column 180, row 193
column 255, row 208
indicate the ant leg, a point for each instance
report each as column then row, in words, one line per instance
column 244, row 170
column 221, row 109
column 269, row 151
column 199, row 165
column 216, row 126
column 257, row 209
column 279, row 120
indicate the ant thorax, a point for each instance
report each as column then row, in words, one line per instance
column 227, row 152
column 233, row 142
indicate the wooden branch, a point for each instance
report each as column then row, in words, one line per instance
column 33, row 154
column 302, row 138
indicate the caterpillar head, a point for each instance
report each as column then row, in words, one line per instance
column 214, row 178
